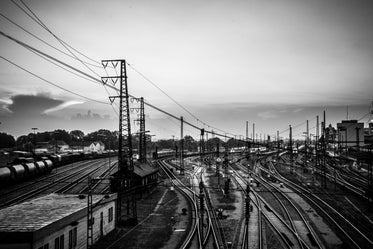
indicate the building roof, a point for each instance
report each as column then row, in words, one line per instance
column 144, row 169
column 35, row 214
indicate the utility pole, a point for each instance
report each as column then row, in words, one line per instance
column 142, row 133
column 124, row 177
column 225, row 165
column 247, row 212
column 202, row 146
column 317, row 161
column 201, row 205
column 34, row 129
column 291, row 149
column 181, row 145
column 247, row 146
column 254, row 135
column 323, row 146
column 89, row 214
column 307, row 144
column 278, row 146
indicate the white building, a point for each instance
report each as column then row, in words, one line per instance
column 55, row 221
column 94, row 147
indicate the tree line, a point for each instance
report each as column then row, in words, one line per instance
column 107, row 137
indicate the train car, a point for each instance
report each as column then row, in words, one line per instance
column 31, row 170
column 19, row 172
column 5, row 176
column 48, row 165
column 42, row 168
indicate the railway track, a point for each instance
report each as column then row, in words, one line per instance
column 291, row 213
column 193, row 233
column 287, row 237
column 52, row 183
column 211, row 235
column 352, row 234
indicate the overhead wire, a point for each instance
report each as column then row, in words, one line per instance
column 36, row 19
column 82, row 54
column 42, row 24
column 65, row 45
column 51, row 83
column 43, row 41
column 176, row 102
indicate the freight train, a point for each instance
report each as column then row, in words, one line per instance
column 21, row 172
column 24, row 168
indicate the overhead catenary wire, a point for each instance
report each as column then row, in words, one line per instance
column 63, row 43
column 51, row 83
column 41, row 23
column 176, row 102
column 110, row 86
column 43, row 41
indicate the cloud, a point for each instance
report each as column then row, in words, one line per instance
column 4, row 103
column 30, row 105
column 63, row 106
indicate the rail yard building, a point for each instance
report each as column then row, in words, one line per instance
column 56, row 221
column 350, row 133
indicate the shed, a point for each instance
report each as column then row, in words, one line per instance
column 55, row 221
column 145, row 174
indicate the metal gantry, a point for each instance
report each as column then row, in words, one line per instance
column 291, row 149
column 123, row 179
column 142, row 133
column 89, row 214
column 181, row 145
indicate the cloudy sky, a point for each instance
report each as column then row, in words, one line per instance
column 272, row 63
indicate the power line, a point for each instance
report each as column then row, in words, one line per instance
column 40, row 22
column 51, row 83
column 38, row 38
column 116, row 89
column 176, row 102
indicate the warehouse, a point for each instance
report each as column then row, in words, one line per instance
column 56, row 221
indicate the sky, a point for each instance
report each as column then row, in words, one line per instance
column 272, row 63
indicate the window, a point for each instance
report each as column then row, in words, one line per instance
column 111, row 214
column 46, row 246
column 62, row 241
column 73, row 238
column 70, row 239
column 59, row 242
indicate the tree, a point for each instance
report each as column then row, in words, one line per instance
column 7, row 141
column 76, row 135
column 190, row 144
column 62, row 135
column 109, row 138
column 21, row 141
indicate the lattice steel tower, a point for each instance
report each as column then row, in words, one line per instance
column 123, row 179
column 142, row 132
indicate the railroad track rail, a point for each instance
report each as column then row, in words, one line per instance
column 353, row 235
column 51, row 184
column 193, row 233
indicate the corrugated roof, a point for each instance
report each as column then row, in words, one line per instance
column 144, row 169
column 35, row 214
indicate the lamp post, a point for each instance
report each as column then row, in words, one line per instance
column 34, row 129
